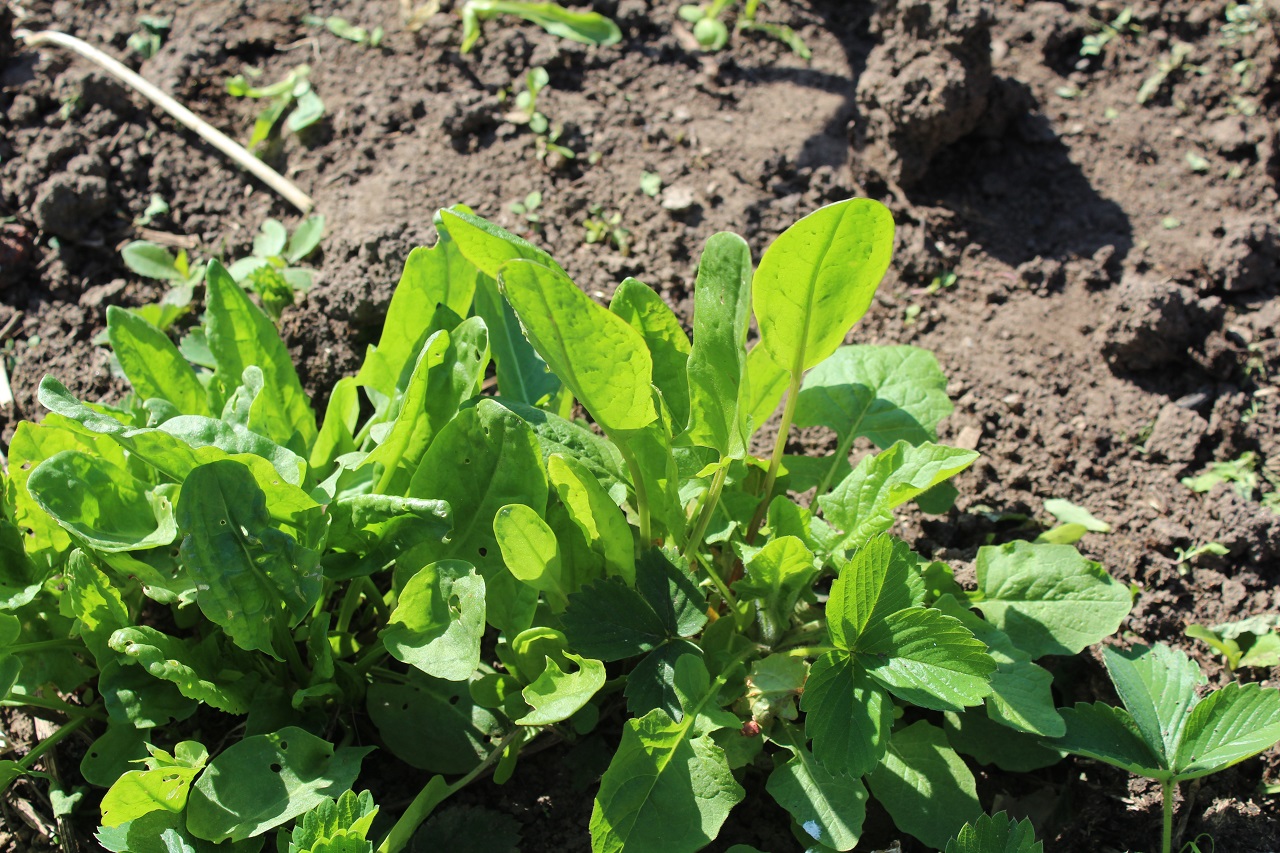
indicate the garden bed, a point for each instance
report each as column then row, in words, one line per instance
column 1097, row 276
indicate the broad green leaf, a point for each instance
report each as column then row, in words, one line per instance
column 974, row 733
column 717, row 367
column 1109, row 734
column 557, row 695
column 96, row 604
column 530, row 550
column 439, row 621
column 924, row 786
column 1048, row 598
column 336, row 826
column 652, row 683
column 484, row 459
column 241, row 335
column 1068, row 513
column 609, row 621
column 460, row 728
column 671, row 591
column 488, row 246
column 1158, row 687
column 523, row 376
column 195, row 669
column 848, row 715
column 927, row 659
column 163, row 785
column 775, row 577
column 599, row 519
column 135, row 698
column 101, row 504
column 266, row 780
column 45, row 540
column 249, row 574
column 828, row 807
column 774, row 685
column 337, row 434
column 151, row 261
column 766, row 384
column 153, row 364
column 669, row 786
column 235, row 439
column 995, row 834
column 862, row 504
column 165, row 832
column 382, row 527
column 871, row 586
column 113, row 753
column 668, row 345
column 598, row 357
column 1228, row 726
column 584, row 27
column 557, row 435
column 886, row 393
column 818, row 278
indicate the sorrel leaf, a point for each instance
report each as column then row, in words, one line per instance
column 439, row 621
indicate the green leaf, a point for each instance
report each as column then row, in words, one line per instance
column 557, row 435
column 829, row 807
column 195, row 670
column 717, row 367
column 240, row 335
column 96, row 604
column 113, row 753
column 652, row 683
column 775, row 577
column 924, row 786
column 523, row 376
column 248, row 573
column 337, row 434
column 862, row 504
column 609, row 621
column 103, row 505
column 382, row 527
column 336, row 826
column 270, row 238
column 305, row 240
column 600, row 358
column 165, row 832
column 774, row 685
column 818, row 278
column 601, row 522
column 1109, row 734
column 668, row 345
column 530, row 550
column 439, row 621
column 484, row 459
column 1228, row 726
column 668, row 787
column 1048, row 598
column 134, row 697
column 584, row 27
column 1068, row 513
column 163, row 785
column 871, row 586
column 995, row 834
column 927, row 659
column 557, row 695
column 1158, row 687
column 766, row 384
column 266, row 780
column 848, row 715
column 886, row 393
column 488, row 246
column 975, row 734
column 151, row 261
column 153, row 364
column 460, row 728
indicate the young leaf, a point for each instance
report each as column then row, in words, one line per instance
column 775, row 577
column 829, row 807
column 163, row 785
column 872, row 585
column 153, row 364
column 668, row 345
column 1109, row 734
column 266, row 780
column 1048, row 598
column 249, row 574
column 862, row 504
column 717, row 367
column 886, row 393
column 668, row 787
column 1228, row 726
column 305, row 240
column 928, row 659
column 848, row 715
column 600, row 358
column 818, row 278
column 584, row 27
column 151, row 261
column 557, row 695
column 335, row 826
column 995, row 834
column 523, row 376
column 193, row 669
column 1158, row 687
column 926, row 788
column 531, row 552
column 598, row 518
column 439, row 621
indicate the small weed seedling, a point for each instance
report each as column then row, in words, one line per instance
column 526, row 102
column 1247, row 642
column 942, row 282
column 528, row 210
column 269, row 270
column 1122, row 25
column 1188, row 555
column 606, row 230
column 1175, row 63
column 712, row 33
column 1073, row 523
column 1166, row 731
column 152, row 31
column 151, row 260
column 1241, row 474
column 344, row 29
column 292, row 95
column 650, row 184
column 583, row 27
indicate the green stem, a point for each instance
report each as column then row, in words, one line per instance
column 375, row 598
column 285, row 635
column 717, row 7
column 428, row 798
column 724, row 590
column 373, row 653
column 642, row 494
column 42, row 646
column 749, row 13
column 53, row 705
column 708, row 509
column 1167, row 788
column 810, row 651
column 842, row 455
column 29, row 760
column 350, row 601
column 775, row 462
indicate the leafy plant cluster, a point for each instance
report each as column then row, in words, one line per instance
column 242, row 602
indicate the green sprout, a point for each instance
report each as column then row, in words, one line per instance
column 292, row 95
column 269, row 270
column 606, row 230
column 528, row 209
column 582, row 27
column 712, row 33
column 344, row 29
column 1122, row 25
column 152, row 31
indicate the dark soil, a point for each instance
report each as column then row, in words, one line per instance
column 1111, row 329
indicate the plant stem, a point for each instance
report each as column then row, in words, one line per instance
column 842, row 455
column 708, row 509
column 642, row 494
column 285, row 636
column 375, row 598
column 723, row 589
column 429, row 797
column 809, row 651
column 775, row 462
column 1167, row 788
column 42, row 646
column 50, row 742
column 53, row 705
column 232, row 149
column 373, row 653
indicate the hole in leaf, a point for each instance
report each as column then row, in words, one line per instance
column 26, row 466
column 453, row 700
column 466, row 461
column 222, row 521
column 284, row 744
column 484, row 552
column 172, row 777
column 275, row 767
column 404, row 707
